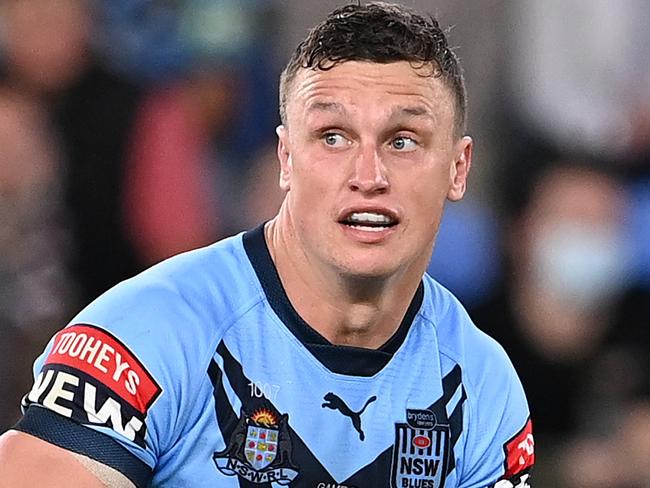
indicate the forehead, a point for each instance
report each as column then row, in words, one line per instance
column 355, row 85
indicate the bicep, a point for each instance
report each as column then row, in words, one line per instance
column 26, row 460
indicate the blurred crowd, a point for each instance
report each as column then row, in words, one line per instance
column 131, row 130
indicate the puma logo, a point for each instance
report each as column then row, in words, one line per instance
column 335, row 403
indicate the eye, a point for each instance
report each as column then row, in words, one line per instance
column 333, row 139
column 403, row 143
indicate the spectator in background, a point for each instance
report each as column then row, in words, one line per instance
column 170, row 202
column 619, row 460
column 62, row 122
column 36, row 291
column 577, row 83
column 190, row 153
column 262, row 195
column 580, row 74
column 47, row 54
column 566, row 315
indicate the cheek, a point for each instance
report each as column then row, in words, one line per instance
column 426, row 202
column 308, row 191
column 313, row 181
column 428, row 188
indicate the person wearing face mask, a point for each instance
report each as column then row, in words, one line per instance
column 563, row 314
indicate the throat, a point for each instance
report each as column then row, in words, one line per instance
column 346, row 310
column 359, row 327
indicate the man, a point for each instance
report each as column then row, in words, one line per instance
column 311, row 351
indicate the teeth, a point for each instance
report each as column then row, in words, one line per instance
column 369, row 218
column 367, row 228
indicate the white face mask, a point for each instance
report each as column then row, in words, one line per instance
column 584, row 265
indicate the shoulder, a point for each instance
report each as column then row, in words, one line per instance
column 171, row 317
column 194, row 295
column 168, row 318
column 497, row 414
column 128, row 363
column 458, row 337
column 484, row 363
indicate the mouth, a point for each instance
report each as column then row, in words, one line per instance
column 369, row 220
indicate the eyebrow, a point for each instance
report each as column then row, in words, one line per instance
column 327, row 107
column 411, row 111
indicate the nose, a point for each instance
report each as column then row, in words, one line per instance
column 369, row 173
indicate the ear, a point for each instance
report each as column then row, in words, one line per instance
column 460, row 168
column 284, row 156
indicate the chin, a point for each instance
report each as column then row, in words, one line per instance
column 368, row 269
column 383, row 264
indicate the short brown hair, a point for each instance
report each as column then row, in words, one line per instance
column 382, row 33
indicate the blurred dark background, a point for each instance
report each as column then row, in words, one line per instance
column 131, row 130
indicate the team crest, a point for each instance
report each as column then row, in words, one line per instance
column 259, row 449
column 421, row 451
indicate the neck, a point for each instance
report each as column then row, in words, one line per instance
column 346, row 310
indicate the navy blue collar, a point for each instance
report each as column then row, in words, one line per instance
column 347, row 360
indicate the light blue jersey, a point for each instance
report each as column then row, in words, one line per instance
column 199, row 372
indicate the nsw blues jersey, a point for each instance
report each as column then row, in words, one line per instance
column 200, row 373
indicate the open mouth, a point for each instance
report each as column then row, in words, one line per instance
column 369, row 221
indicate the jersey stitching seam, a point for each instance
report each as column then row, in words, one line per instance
column 231, row 321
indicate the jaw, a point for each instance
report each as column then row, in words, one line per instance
column 360, row 254
column 352, row 257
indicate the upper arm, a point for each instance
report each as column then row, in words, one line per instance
column 29, row 461
column 98, row 390
column 499, row 447
column 118, row 384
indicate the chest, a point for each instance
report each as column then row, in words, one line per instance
column 274, row 415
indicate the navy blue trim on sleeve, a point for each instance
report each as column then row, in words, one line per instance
column 63, row 432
